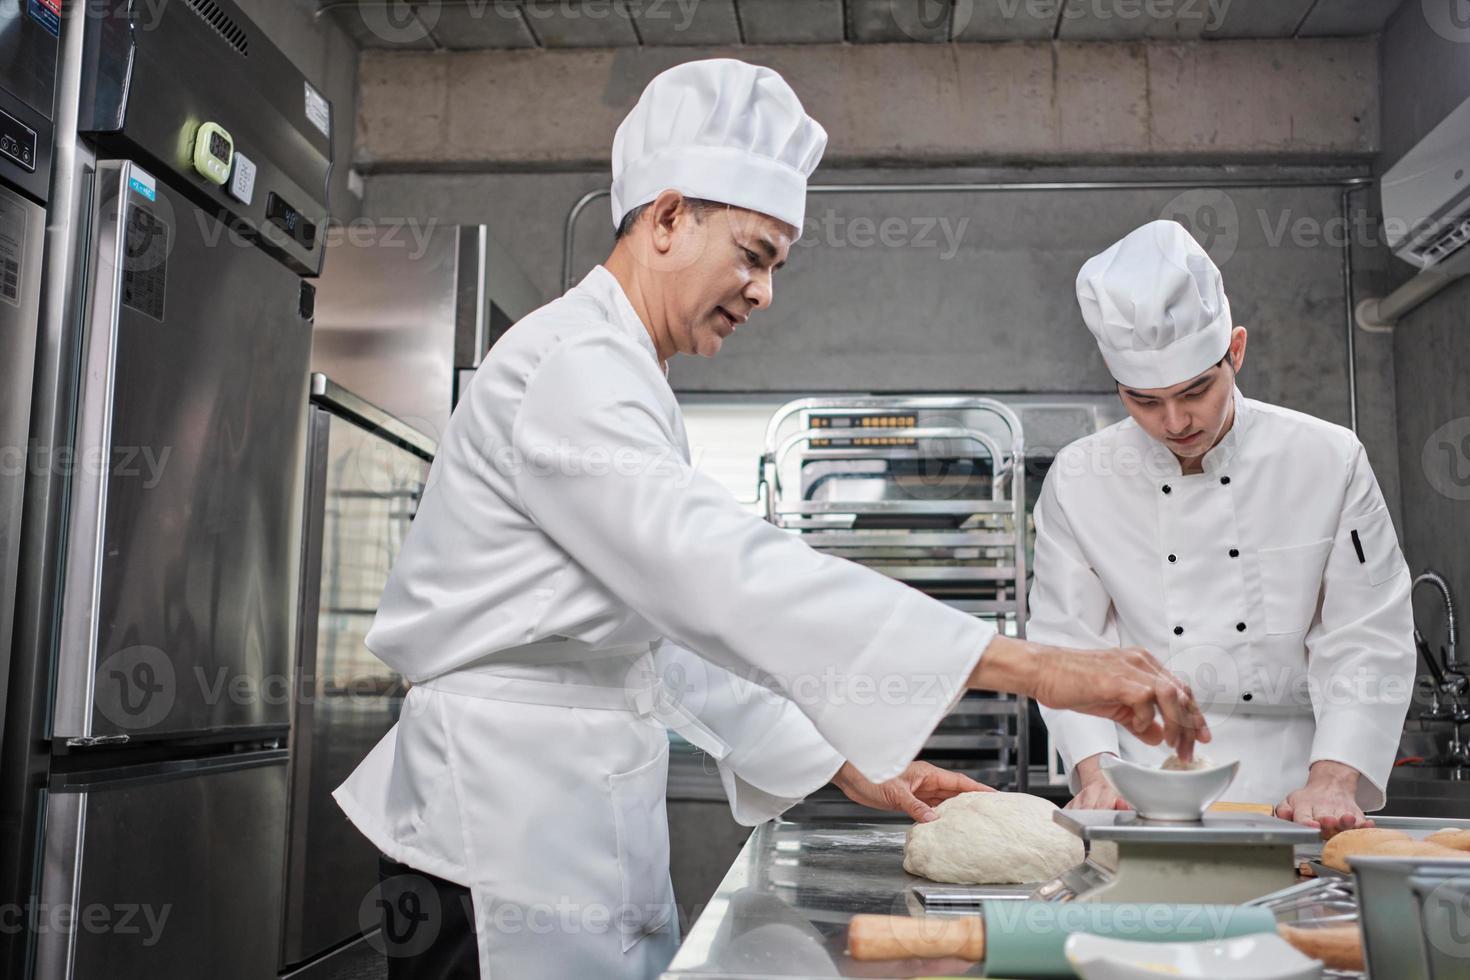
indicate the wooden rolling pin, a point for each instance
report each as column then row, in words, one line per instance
column 896, row 937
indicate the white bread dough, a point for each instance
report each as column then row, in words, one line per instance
column 1176, row 764
column 991, row 839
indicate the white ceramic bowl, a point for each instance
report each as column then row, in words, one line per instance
column 1168, row 794
column 1261, row 957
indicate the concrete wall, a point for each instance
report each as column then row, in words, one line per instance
column 327, row 56
column 1426, row 73
column 901, row 104
column 953, row 291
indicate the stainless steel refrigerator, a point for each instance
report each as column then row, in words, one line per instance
column 176, row 621
column 407, row 309
column 29, row 47
column 28, row 51
column 366, row 472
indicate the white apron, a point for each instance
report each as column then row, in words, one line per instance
column 564, row 852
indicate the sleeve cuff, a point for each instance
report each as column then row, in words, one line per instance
column 788, row 763
column 752, row 806
column 1079, row 737
column 1347, row 740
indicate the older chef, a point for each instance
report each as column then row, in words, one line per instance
column 1247, row 545
column 566, row 558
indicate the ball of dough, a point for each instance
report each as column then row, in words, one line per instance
column 1176, row 764
column 991, row 839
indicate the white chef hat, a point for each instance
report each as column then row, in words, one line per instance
column 720, row 130
column 1156, row 304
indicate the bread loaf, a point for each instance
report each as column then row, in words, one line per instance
column 1458, row 839
column 1336, row 851
column 1380, row 842
column 1416, row 849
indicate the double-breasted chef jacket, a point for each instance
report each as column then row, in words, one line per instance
column 1273, row 582
column 570, row 590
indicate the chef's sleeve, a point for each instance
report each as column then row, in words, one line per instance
column 770, row 755
column 1069, row 607
column 872, row 663
column 1360, row 649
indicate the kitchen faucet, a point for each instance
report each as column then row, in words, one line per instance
column 1452, row 629
column 1450, row 678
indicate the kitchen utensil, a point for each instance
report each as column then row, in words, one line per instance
column 1259, row 957
column 1133, row 859
column 1168, row 794
column 1029, row 938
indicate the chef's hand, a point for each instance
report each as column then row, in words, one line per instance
column 1096, row 792
column 913, row 791
column 1329, row 801
column 1127, row 686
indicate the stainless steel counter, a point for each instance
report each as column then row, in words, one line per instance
column 783, row 908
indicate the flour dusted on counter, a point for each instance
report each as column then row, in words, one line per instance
column 991, row 839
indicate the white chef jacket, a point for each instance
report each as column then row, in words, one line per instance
column 565, row 560
column 1272, row 581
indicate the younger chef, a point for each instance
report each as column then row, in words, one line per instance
column 1246, row 545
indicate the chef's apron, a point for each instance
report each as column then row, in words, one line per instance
column 570, row 869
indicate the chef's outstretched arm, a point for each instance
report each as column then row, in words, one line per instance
column 1360, row 662
column 874, row 664
column 1126, row 686
column 770, row 756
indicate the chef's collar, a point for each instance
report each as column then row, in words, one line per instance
column 1163, row 462
column 1221, row 455
column 604, row 287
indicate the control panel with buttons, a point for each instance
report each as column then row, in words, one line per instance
column 17, row 141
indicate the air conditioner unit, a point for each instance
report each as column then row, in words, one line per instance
column 1426, row 197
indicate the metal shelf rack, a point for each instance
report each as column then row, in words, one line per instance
column 930, row 491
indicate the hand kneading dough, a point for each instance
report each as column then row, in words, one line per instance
column 1176, row 764
column 991, row 839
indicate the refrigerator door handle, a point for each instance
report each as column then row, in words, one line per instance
column 61, row 880
column 91, row 455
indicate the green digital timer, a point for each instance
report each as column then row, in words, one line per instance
column 214, row 151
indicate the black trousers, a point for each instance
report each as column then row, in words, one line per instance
column 428, row 925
